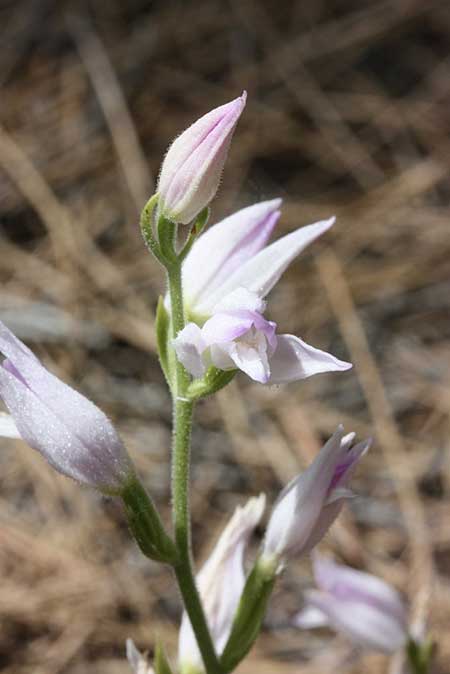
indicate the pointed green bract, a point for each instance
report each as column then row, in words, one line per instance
column 145, row 524
column 250, row 614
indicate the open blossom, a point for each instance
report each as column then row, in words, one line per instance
column 75, row 437
column 220, row 583
column 308, row 506
column 190, row 173
column 361, row 606
column 226, row 277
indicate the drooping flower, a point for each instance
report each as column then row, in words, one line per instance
column 308, row 506
column 75, row 437
column 363, row 607
column 220, row 583
column 226, row 277
column 190, row 173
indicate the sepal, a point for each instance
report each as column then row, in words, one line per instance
column 420, row 655
column 145, row 524
column 250, row 614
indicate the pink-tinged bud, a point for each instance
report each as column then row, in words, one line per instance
column 308, row 506
column 75, row 437
column 220, row 583
column 191, row 170
column 362, row 607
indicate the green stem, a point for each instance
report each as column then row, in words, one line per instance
column 183, row 410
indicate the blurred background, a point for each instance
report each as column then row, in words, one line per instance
column 348, row 113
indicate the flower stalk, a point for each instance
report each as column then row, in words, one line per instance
column 183, row 411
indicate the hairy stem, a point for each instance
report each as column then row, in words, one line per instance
column 183, row 410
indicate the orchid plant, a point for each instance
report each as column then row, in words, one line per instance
column 211, row 324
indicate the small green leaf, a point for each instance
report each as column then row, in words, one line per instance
column 162, row 339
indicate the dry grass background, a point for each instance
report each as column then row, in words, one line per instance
column 348, row 113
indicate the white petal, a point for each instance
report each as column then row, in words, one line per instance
column 189, row 346
column 294, row 359
column 251, row 360
column 225, row 247
column 260, row 273
column 241, row 300
column 8, row 428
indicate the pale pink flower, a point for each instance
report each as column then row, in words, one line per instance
column 75, row 437
column 226, row 277
column 190, row 173
column 220, row 583
column 308, row 506
column 363, row 607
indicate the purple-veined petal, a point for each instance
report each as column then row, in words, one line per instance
column 293, row 359
column 299, row 505
column 261, row 272
column 223, row 248
column 92, row 456
column 71, row 432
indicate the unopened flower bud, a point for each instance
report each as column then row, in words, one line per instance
column 190, row 173
column 75, row 437
column 308, row 506
column 362, row 607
